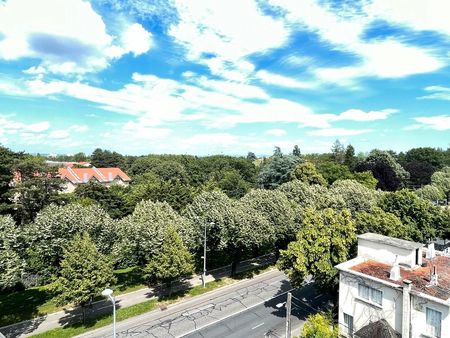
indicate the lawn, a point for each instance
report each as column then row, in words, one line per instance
column 33, row 302
column 134, row 310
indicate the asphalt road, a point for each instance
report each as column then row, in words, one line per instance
column 219, row 313
column 267, row 319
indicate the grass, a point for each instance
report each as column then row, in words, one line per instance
column 37, row 301
column 134, row 310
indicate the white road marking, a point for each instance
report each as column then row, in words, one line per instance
column 257, row 326
column 233, row 314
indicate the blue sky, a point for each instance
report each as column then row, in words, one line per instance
column 206, row 77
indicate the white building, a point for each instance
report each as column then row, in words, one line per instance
column 391, row 290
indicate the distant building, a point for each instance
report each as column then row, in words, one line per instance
column 73, row 177
column 392, row 290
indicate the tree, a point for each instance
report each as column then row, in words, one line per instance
column 85, row 272
column 306, row 172
column 333, row 171
column 311, row 196
column 378, row 221
column 325, row 239
column 349, row 156
column 422, row 218
column 172, row 261
column 11, row 246
column 296, row 151
column 421, row 163
column 278, row 210
column 54, row 228
column 441, row 179
column 319, row 326
column 106, row 159
column 366, row 179
column 277, row 171
column 389, row 173
column 430, row 192
column 277, row 152
column 141, row 234
column 230, row 182
column 338, row 152
column 251, row 156
column 38, row 187
column 111, row 199
column 7, row 158
column 357, row 197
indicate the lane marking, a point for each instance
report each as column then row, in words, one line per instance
column 233, row 314
column 257, row 326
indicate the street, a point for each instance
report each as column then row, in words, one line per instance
column 245, row 309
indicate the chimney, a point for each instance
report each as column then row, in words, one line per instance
column 110, row 174
column 395, row 271
column 406, row 316
column 85, row 177
column 431, row 253
column 434, row 277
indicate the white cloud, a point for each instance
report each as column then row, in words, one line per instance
column 437, row 93
column 275, row 132
column 416, row 14
column 343, row 29
column 283, row 81
column 222, row 36
column 59, row 134
column 67, row 36
column 362, row 116
column 338, row 132
column 439, row 122
column 136, row 39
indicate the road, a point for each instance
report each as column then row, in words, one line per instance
column 226, row 312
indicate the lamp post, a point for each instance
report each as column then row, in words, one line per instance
column 109, row 294
column 204, row 256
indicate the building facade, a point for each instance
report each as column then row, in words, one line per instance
column 392, row 282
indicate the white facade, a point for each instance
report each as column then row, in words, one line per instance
column 364, row 298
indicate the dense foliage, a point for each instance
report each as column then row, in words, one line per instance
column 308, row 206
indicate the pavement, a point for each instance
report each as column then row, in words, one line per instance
column 250, row 308
column 73, row 315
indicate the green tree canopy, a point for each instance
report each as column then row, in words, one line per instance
column 319, row 326
column 141, row 234
column 389, row 173
column 357, row 197
column 423, row 218
column 172, row 261
column 276, row 170
column 441, row 179
column 325, row 239
column 85, row 272
column 378, row 221
column 333, row 171
column 430, row 192
column 307, row 172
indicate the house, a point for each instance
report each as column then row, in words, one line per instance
column 73, row 177
column 393, row 289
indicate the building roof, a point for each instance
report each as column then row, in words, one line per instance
column 401, row 243
column 378, row 329
column 420, row 276
column 84, row 175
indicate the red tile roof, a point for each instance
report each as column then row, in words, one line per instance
column 84, row 175
column 420, row 276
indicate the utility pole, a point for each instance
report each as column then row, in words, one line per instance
column 288, row 315
column 204, row 260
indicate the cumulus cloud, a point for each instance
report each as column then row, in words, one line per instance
column 437, row 93
column 283, row 81
column 67, row 36
column 275, row 132
column 439, row 122
column 332, row 132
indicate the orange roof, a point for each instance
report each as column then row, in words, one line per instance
column 84, row 175
column 420, row 277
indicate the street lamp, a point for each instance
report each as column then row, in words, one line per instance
column 109, row 294
column 204, row 256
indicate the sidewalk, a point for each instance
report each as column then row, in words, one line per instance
column 73, row 315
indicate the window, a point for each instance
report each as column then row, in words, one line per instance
column 376, row 296
column 363, row 291
column 348, row 325
column 434, row 319
column 373, row 295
